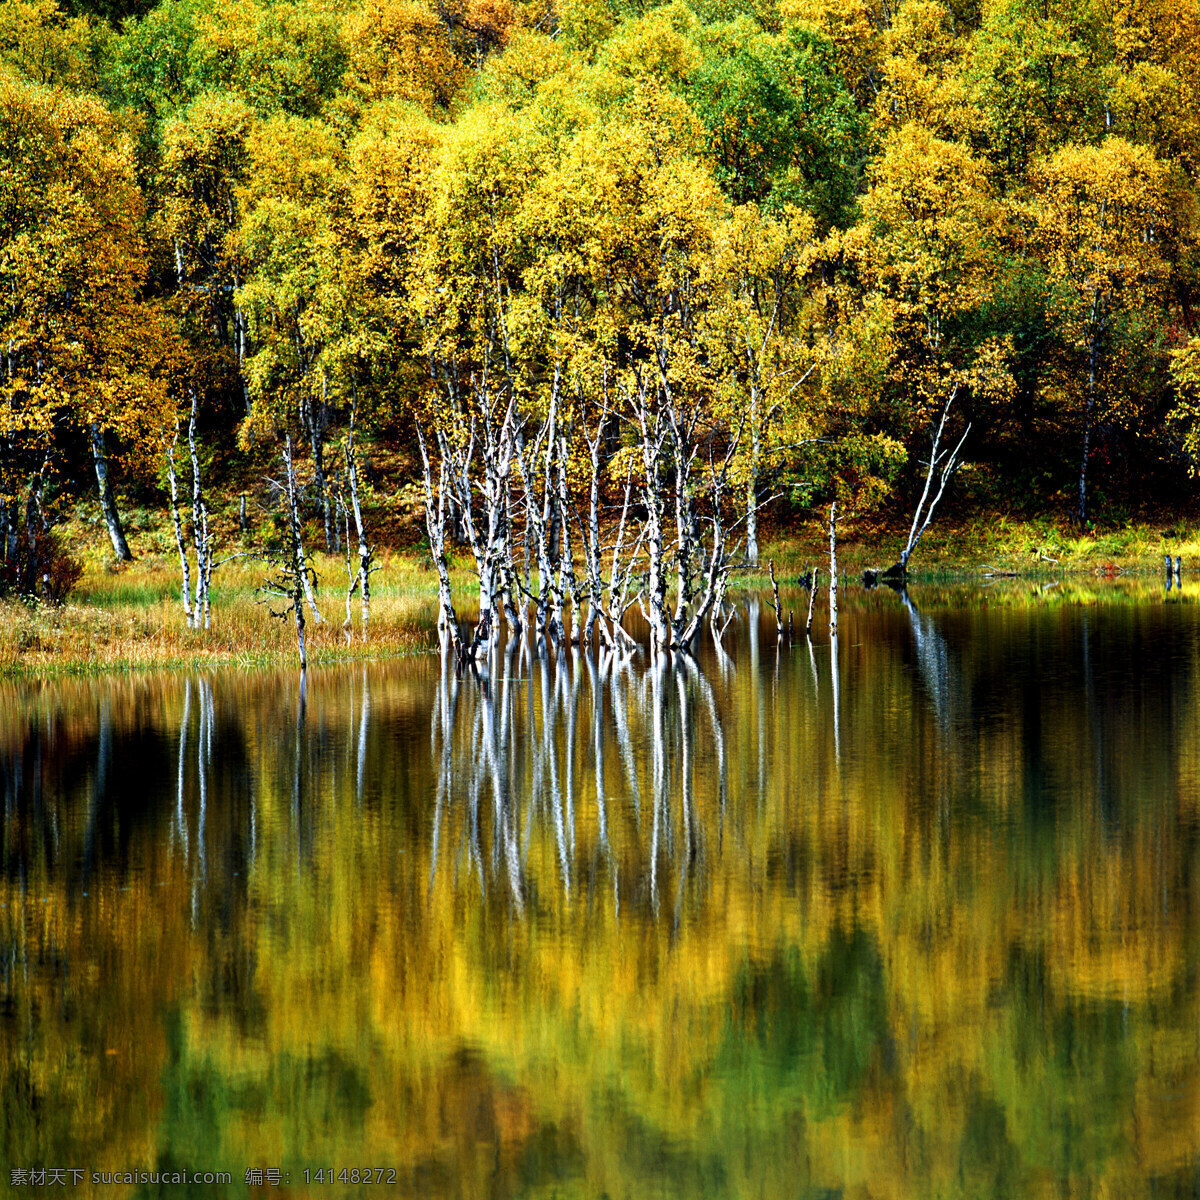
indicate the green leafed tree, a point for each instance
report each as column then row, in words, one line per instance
column 781, row 127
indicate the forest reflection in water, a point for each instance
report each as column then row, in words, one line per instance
column 907, row 916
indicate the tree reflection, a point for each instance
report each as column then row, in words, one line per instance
column 688, row 921
column 933, row 661
column 536, row 731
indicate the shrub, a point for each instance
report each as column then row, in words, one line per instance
column 48, row 574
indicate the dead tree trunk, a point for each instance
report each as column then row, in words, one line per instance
column 366, row 552
column 436, row 519
column 833, row 575
column 948, row 461
column 177, row 525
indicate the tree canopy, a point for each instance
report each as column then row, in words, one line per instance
column 819, row 223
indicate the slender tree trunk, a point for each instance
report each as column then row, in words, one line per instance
column 177, row 525
column 1094, row 334
column 241, row 337
column 508, row 578
column 752, row 484
column 924, row 511
column 684, row 530
column 199, row 523
column 304, row 582
column 316, row 440
column 652, row 437
column 589, row 537
column 435, row 524
column 833, row 576
column 365, row 551
column 353, row 574
column 13, row 530
column 538, row 471
column 566, row 564
column 299, row 568
column 752, row 518
column 656, row 580
column 108, row 503
column 205, row 568
column 34, row 522
column 775, row 598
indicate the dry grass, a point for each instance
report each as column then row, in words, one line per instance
column 133, row 618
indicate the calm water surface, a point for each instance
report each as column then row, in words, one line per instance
column 919, row 917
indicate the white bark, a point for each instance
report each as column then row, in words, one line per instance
column 177, row 525
column 298, row 565
column 435, row 525
column 833, row 571
column 366, row 552
column 108, row 502
column 948, row 461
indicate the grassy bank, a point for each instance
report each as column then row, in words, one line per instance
column 1035, row 548
column 130, row 617
column 133, row 618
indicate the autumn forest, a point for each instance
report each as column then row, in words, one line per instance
column 572, row 319
column 534, row 273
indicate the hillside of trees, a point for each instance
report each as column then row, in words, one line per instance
column 543, row 270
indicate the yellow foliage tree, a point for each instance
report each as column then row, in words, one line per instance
column 927, row 246
column 81, row 348
column 400, row 50
column 1097, row 217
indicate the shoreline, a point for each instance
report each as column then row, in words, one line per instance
column 128, row 619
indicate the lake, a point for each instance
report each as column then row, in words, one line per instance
column 914, row 915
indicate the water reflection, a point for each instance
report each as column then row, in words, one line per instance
column 546, row 743
column 910, row 913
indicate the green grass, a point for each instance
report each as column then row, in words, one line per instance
column 1032, row 548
